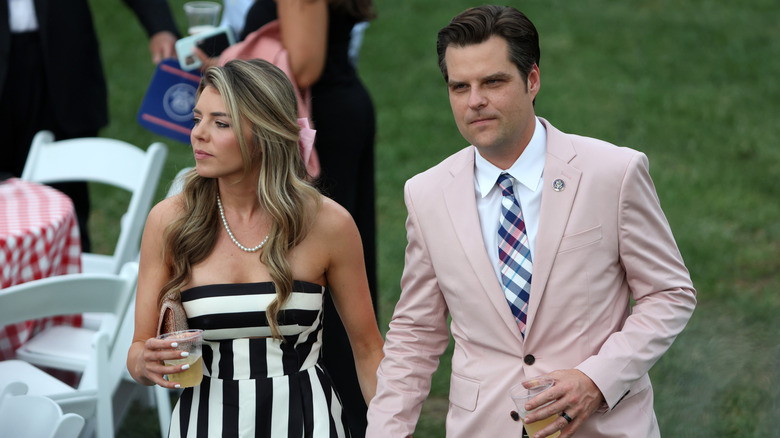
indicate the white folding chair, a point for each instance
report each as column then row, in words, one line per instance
column 105, row 366
column 68, row 348
column 35, row 416
column 106, row 161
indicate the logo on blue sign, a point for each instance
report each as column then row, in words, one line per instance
column 179, row 101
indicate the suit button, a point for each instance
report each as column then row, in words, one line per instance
column 529, row 359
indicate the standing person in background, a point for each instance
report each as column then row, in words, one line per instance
column 535, row 242
column 47, row 46
column 316, row 34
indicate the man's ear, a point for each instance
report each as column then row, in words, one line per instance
column 533, row 83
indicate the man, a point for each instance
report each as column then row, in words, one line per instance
column 534, row 242
column 51, row 77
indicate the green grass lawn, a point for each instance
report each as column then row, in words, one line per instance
column 693, row 84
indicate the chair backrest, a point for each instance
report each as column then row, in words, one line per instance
column 68, row 294
column 177, row 184
column 35, row 416
column 107, row 161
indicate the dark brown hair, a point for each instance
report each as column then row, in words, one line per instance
column 477, row 25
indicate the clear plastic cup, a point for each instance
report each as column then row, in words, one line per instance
column 190, row 341
column 525, row 391
column 202, row 16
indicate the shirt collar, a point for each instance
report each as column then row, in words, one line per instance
column 527, row 169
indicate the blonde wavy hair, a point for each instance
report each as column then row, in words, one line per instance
column 258, row 93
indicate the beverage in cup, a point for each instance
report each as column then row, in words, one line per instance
column 190, row 341
column 202, row 16
column 525, row 391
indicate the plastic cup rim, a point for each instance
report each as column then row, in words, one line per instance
column 201, row 5
column 548, row 383
column 189, row 335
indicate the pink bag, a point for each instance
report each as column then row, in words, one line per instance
column 266, row 43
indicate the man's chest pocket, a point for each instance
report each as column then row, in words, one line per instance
column 581, row 239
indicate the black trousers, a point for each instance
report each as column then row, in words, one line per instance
column 25, row 109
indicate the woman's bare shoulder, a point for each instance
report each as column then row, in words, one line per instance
column 332, row 218
column 332, row 210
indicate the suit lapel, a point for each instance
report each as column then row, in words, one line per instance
column 459, row 196
column 555, row 210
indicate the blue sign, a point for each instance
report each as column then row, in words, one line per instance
column 170, row 98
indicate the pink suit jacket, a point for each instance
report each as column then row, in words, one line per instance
column 603, row 240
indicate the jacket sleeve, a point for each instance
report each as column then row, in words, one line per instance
column 417, row 337
column 659, row 283
column 154, row 15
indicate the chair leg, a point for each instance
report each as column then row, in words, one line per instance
column 105, row 418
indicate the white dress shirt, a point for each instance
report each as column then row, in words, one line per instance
column 527, row 171
column 21, row 16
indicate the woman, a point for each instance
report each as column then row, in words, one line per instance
column 317, row 36
column 260, row 305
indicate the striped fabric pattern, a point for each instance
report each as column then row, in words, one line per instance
column 255, row 386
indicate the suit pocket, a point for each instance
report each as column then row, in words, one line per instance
column 581, row 239
column 464, row 392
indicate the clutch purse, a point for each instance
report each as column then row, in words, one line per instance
column 173, row 318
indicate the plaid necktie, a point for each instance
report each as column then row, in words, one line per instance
column 514, row 253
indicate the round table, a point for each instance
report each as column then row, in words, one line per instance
column 39, row 238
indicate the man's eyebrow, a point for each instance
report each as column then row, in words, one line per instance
column 490, row 77
column 494, row 76
column 451, row 83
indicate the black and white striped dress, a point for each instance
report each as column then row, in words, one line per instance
column 253, row 385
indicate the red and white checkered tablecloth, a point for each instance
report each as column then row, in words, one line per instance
column 39, row 238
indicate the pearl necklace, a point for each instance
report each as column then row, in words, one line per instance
column 230, row 233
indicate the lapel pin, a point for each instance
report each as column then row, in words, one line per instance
column 558, row 185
